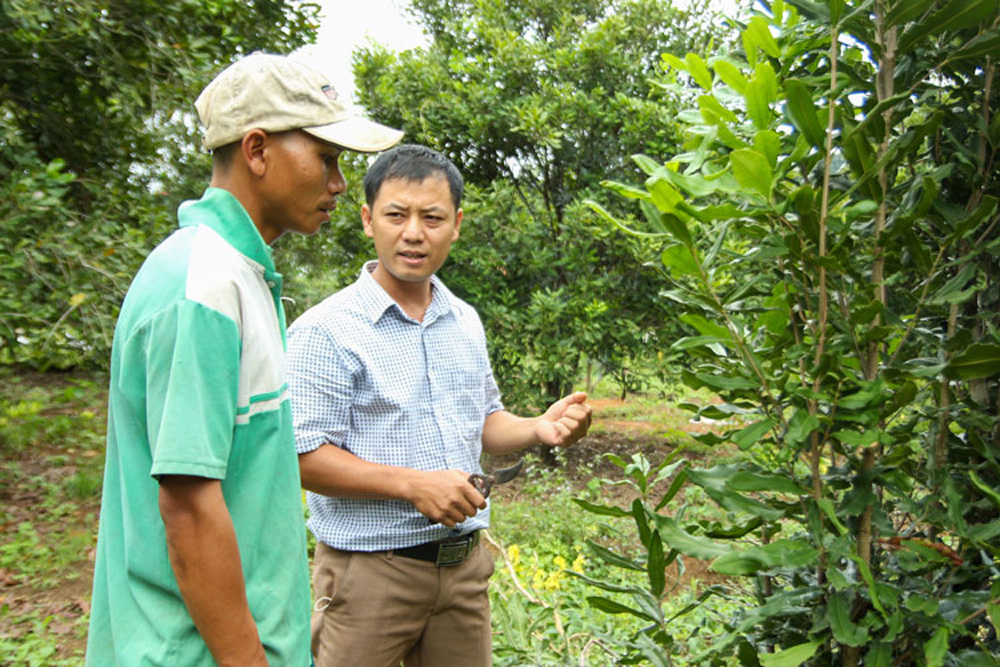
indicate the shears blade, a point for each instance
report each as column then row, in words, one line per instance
column 484, row 483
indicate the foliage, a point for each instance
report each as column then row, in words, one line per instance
column 51, row 444
column 537, row 101
column 98, row 145
column 831, row 232
column 548, row 553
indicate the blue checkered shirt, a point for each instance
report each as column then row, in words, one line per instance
column 366, row 377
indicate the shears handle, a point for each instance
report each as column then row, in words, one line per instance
column 482, row 483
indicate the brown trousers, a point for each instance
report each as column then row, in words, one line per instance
column 380, row 609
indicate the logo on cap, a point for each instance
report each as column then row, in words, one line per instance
column 329, row 92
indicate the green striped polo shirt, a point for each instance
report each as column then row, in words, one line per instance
column 198, row 388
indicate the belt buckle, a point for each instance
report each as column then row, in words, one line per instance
column 452, row 553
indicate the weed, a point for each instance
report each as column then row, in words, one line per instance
column 38, row 645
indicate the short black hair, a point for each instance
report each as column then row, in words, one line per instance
column 412, row 162
column 223, row 156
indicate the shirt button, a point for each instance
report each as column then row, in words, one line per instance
column 270, row 283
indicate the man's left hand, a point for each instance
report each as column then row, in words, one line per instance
column 565, row 422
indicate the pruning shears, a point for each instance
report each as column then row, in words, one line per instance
column 484, row 482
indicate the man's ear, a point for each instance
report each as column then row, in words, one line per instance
column 252, row 151
column 366, row 220
column 458, row 225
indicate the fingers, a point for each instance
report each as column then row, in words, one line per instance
column 573, row 424
column 448, row 498
column 576, row 397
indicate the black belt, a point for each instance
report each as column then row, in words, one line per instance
column 449, row 551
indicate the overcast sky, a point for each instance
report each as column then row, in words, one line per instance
column 346, row 24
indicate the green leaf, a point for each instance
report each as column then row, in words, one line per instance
column 695, row 185
column 604, row 585
column 699, row 71
column 746, row 437
column 603, row 510
column 759, row 34
column 768, row 143
column 801, row 425
column 955, row 15
column 705, row 326
column 782, row 553
column 679, row 539
column 612, row 607
column 625, row 190
column 803, row 113
column 678, row 258
column 845, row 631
column 936, row 647
column 980, row 360
column 758, row 103
column 715, row 483
column 655, row 565
column 880, row 653
column 689, row 342
column 752, row 170
column 665, row 196
column 993, row 607
column 727, row 382
column 711, row 109
column 646, row 163
column 955, row 290
column 789, row 657
column 612, row 558
column 730, row 75
column 987, row 490
column 836, row 11
column 985, row 44
column 826, row 505
column 765, row 482
column 904, row 12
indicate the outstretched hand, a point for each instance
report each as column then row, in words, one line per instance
column 565, row 422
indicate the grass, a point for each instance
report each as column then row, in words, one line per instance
column 52, row 430
column 51, row 458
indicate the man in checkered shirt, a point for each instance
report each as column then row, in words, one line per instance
column 394, row 400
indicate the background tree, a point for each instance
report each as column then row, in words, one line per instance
column 537, row 102
column 832, row 231
column 98, row 144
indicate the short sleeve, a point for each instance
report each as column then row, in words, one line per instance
column 192, row 361
column 320, row 386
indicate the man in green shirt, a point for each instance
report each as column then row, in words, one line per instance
column 201, row 554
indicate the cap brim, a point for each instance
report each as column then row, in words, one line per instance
column 357, row 134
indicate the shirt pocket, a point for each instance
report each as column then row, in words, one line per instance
column 465, row 392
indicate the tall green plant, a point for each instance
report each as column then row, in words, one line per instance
column 832, row 232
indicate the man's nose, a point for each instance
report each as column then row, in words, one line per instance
column 413, row 228
column 335, row 182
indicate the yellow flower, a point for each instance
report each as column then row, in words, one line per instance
column 560, row 562
column 514, row 554
column 579, row 562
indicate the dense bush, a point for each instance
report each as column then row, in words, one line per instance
column 98, row 146
column 832, row 231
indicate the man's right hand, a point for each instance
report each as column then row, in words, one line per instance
column 444, row 496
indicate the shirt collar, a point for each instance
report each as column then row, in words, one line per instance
column 375, row 301
column 222, row 212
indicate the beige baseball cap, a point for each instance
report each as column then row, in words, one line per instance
column 276, row 93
